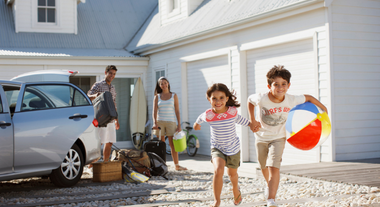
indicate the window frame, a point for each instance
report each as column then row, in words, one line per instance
column 36, row 24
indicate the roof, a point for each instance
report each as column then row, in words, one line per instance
column 209, row 15
column 104, row 29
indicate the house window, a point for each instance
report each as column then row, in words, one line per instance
column 159, row 73
column 173, row 5
column 46, row 11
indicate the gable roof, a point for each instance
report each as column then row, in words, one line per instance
column 104, row 29
column 211, row 15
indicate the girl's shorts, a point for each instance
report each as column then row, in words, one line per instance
column 232, row 161
column 168, row 128
column 269, row 153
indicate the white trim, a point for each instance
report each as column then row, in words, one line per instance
column 316, row 75
column 185, row 108
column 244, row 138
column 292, row 37
column 330, row 77
column 206, row 55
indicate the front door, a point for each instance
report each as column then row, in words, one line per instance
column 6, row 135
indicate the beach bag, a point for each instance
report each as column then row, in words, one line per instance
column 137, row 160
column 158, row 165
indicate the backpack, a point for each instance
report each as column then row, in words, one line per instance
column 138, row 160
column 158, row 165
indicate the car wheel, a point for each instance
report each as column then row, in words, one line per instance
column 71, row 169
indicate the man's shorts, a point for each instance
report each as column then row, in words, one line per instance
column 168, row 128
column 269, row 153
column 232, row 161
column 107, row 134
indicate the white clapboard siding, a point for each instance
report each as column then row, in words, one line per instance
column 26, row 17
column 356, row 63
column 200, row 75
column 298, row 58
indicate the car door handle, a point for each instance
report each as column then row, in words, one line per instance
column 78, row 116
column 5, row 124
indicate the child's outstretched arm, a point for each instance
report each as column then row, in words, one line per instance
column 196, row 126
column 255, row 125
column 314, row 101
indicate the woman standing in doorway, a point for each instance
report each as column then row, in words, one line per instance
column 166, row 115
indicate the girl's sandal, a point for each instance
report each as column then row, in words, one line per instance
column 179, row 168
column 238, row 200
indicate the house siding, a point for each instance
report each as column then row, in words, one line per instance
column 172, row 58
column 65, row 17
column 356, row 62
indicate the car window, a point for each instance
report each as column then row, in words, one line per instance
column 79, row 99
column 38, row 97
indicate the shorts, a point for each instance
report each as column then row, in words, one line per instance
column 269, row 153
column 232, row 161
column 168, row 128
column 107, row 134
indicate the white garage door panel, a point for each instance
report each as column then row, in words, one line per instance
column 200, row 75
column 298, row 58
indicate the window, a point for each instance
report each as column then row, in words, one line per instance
column 46, row 11
column 173, row 5
column 159, row 73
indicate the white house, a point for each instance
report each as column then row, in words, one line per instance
column 76, row 35
column 331, row 47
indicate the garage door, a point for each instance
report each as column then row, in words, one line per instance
column 200, row 75
column 298, row 58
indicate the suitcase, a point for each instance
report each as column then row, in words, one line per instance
column 105, row 110
column 157, row 146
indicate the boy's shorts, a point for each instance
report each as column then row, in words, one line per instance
column 269, row 153
column 232, row 161
column 168, row 128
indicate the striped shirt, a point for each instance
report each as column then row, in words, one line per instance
column 223, row 131
column 102, row 86
column 166, row 111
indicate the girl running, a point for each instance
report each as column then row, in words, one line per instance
column 225, row 144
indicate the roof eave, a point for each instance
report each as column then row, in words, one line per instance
column 227, row 28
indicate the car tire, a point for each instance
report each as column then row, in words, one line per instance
column 71, row 169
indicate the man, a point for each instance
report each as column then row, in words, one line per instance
column 107, row 134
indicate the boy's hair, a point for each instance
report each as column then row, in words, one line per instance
column 278, row 71
column 158, row 88
column 110, row 67
column 223, row 88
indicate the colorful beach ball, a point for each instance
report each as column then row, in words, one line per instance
column 307, row 126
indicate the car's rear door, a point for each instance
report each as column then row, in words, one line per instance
column 6, row 135
column 51, row 118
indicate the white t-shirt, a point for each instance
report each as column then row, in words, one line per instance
column 272, row 116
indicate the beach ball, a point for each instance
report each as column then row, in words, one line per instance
column 307, row 126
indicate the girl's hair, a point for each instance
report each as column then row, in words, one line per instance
column 158, row 88
column 223, row 88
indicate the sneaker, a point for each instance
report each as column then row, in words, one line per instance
column 271, row 203
column 266, row 192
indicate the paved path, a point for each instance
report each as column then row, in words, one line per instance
column 363, row 172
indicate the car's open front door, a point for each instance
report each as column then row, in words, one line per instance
column 6, row 135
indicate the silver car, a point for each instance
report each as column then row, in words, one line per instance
column 46, row 129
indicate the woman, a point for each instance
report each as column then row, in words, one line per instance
column 166, row 115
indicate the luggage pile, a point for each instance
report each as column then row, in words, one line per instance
column 139, row 166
